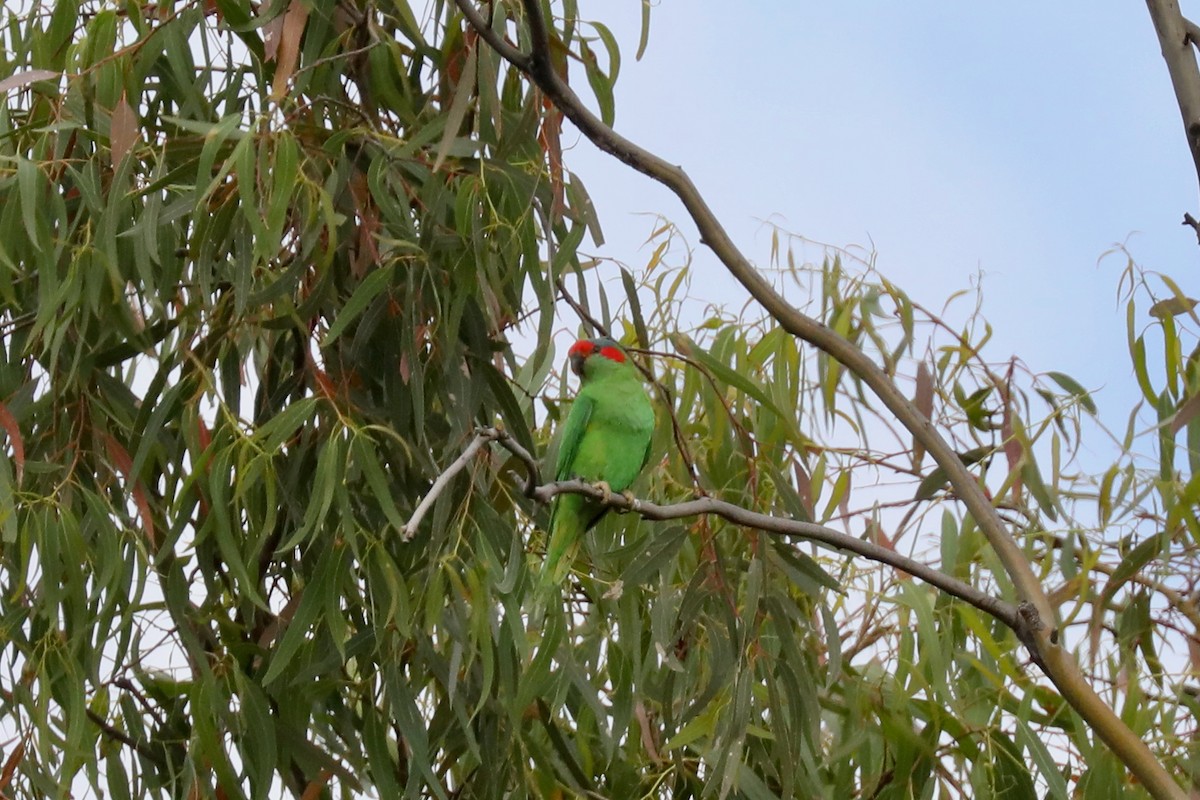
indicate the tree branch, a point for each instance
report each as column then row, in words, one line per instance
column 1193, row 31
column 443, row 480
column 1176, row 36
column 1191, row 222
column 141, row 748
column 1011, row 615
column 497, row 41
column 1039, row 627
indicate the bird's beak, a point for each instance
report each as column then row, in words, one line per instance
column 577, row 364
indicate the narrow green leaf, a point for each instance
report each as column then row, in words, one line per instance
column 931, row 484
column 1141, row 555
column 635, row 308
column 1037, row 487
column 644, row 33
column 371, row 287
column 1075, row 389
column 1048, row 770
column 459, row 106
column 313, row 599
column 363, row 453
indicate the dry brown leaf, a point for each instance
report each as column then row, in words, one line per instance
column 550, row 138
column 366, row 252
column 271, row 31
column 923, row 400
column 316, row 787
column 288, row 53
column 11, row 764
column 1186, row 413
column 124, row 464
column 25, row 78
column 9, row 423
column 123, row 133
column 648, row 738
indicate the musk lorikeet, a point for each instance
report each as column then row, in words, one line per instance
column 606, row 439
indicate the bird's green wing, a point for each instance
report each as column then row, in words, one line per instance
column 572, row 435
column 646, row 454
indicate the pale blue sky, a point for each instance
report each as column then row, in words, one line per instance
column 1021, row 140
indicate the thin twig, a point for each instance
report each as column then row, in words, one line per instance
column 141, row 748
column 1192, row 223
column 443, row 480
column 583, row 313
column 490, row 35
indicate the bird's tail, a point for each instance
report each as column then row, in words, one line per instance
column 567, row 524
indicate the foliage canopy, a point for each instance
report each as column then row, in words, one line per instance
column 261, row 269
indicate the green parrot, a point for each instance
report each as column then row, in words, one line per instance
column 606, row 439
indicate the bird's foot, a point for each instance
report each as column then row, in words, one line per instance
column 606, row 489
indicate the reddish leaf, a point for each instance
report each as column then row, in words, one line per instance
column 550, row 138
column 205, row 439
column 804, row 487
column 123, row 133
column 876, row 534
column 288, row 53
column 316, row 787
column 550, row 134
column 11, row 764
column 124, row 464
column 323, row 384
column 456, row 59
column 270, row 37
column 366, row 254
column 9, row 422
column 1186, row 413
column 203, row 434
column 405, row 370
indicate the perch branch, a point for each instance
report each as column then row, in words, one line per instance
column 1011, row 615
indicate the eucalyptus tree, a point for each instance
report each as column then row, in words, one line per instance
column 279, row 293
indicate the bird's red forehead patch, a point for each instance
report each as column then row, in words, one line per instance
column 613, row 354
column 584, row 347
